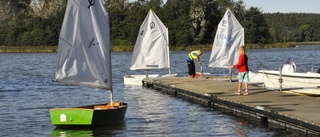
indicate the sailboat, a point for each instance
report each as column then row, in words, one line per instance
column 229, row 37
column 151, row 50
column 84, row 59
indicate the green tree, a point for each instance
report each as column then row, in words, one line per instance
column 286, row 27
column 26, row 39
column 119, row 23
column 15, row 28
column 204, row 17
column 239, row 11
column 176, row 17
column 190, row 22
column 304, row 33
column 256, row 29
column 155, row 5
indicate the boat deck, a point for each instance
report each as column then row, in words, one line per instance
column 293, row 109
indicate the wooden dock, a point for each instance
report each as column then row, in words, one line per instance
column 298, row 111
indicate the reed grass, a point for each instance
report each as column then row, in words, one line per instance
column 12, row 49
column 121, row 48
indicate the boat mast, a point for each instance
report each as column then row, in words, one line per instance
column 111, row 97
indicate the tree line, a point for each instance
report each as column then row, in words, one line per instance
column 190, row 22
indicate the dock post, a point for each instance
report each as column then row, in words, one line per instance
column 230, row 74
column 280, row 79
column 201, row 70
column 147, row 76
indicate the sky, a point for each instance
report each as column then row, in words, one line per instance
column 283, row 6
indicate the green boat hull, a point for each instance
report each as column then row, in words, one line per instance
column 92, row 115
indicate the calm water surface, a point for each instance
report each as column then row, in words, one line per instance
column 27, row 93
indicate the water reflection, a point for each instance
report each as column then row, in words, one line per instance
column 86, row 131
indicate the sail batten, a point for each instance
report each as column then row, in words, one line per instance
column 84, row 56
column 151, row 50
column 229, row 37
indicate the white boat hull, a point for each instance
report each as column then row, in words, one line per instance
column 255, row 78
column 291, row 80
column 169, row 75
column 137, row 79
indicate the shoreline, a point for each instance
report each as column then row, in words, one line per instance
column 52, row 49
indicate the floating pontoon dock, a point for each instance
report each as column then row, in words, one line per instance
column 289, row 110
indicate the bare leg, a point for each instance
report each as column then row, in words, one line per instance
column 246, row 85
column 246, row 90
column 239, row 85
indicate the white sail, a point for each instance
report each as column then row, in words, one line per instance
column 84, row 45
column 151, row 50
column 229, row 37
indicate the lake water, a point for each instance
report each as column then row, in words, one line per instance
column 27, row 93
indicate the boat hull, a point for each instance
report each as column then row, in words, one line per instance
column 136, row 79
column 92, row 115
column 291, row 80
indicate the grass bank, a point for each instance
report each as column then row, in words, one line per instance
column 172, row 48
column 280, row 45
column 250, row 46
column 12, row 49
